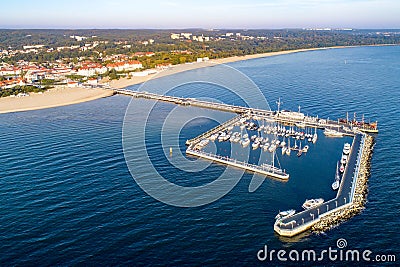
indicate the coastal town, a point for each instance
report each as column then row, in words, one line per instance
column 34, row 61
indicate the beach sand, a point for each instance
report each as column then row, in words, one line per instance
column 67, row 96
column 56, row 97
column 124, row 82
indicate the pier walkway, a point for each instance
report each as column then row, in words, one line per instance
column 264, row 169
column 304, row 220
column 288, row 118
column 214, row 130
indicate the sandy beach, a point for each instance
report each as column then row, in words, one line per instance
column 124, row 82
column 67, row 96
column 56, row 97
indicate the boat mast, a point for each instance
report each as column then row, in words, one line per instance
column 279, row 103
column 273, row 161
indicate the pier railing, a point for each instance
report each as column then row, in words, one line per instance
column 216, row 129
column 309, row 121
column 265, row 169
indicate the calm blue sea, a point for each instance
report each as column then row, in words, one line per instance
column 67, row 196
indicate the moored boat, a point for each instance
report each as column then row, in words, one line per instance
column 284, row 214
column 332, row 133
column 336, row 183
column 255, row 145
column 346, row 148
column 343, row 160
column 245, row 142
column 312, row 203
column 283, row 150
column 341, row 168
column 305, row 148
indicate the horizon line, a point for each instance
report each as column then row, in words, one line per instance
column 199, row 28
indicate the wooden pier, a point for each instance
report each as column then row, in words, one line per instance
column 283, row 117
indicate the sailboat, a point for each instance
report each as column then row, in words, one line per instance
column 315, row 136
column 336, row 183
column 273, row 170
column 283, row 150
column 341, row 168
column 300, row 151
column 288, row 148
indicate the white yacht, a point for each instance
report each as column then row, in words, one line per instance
column 305, row 148
column 272, row 148
column 312, row 203
column 245, row 142
column 255, row 145
column 288, row 148
column 332, row 133
column 283, row 150
column 214, row 137
column 284, row 214
column 265, row 147
column 343, row 160
column 221, row 137
column 314, row 136
column 346, row 149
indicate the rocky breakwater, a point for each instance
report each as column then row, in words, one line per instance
column 360, row 194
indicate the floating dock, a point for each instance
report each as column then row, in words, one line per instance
column 351, row 194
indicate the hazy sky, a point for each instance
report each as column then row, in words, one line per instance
column 200, row 14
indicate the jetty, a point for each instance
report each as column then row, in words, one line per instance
column 344, row 199
column 284, row 117
column 351, row 194
column 264, row 169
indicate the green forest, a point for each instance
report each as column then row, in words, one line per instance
column 275, row 40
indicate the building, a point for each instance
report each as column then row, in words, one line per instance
column 202, row 59
column 10, row 71
column 33, row 46
column 72, row 84
column 10, row 83
column 125, row 65
column 92, row 81
column 186, row 35
column 91, row 69
column 163, row 66
column 141, row 54
column 175, row 36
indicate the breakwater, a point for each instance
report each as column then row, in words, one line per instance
column 360, row 193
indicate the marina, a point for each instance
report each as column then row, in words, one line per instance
column 287, row 131
column 343, row 206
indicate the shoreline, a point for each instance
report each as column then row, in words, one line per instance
column 62, row 96
column 125, row 82
column 56, row 97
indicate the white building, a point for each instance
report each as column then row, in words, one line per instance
column 91, row 70
column 175, row 36
column 125, row 66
